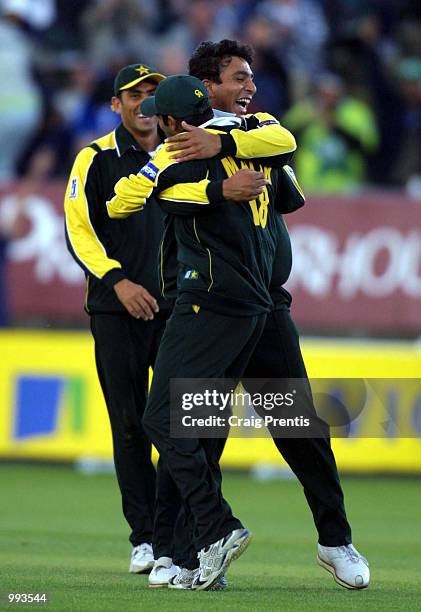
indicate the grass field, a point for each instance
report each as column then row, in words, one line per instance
column 62, row 533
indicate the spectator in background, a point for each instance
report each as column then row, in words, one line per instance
column 65, row 34
column 21, row 101
column 12, row 223
column 344, row 16
column 70, row 99
column 270, row 76
column 199, row 23
column 336, row 133
column 301, row 32
column 48, row 153
column 235, row 13
column 295, row 40
column 169, row 13
column 116, row 28
column 361, row 52
column 94, row 115
column 408, row 165
column 173, row 60
column 408, row 31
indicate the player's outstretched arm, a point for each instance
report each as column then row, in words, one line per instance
column 195, row 194
column 264, row 138
column 130, row 195
column 131, row 192
column 194, row 143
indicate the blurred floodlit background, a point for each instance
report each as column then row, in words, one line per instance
column 343, row 75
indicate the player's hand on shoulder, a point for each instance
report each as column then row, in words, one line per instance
column 244, row 185
column 194, row 143
column 136, row 299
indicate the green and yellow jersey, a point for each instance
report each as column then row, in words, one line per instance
column 109, row 250
column 225, row 250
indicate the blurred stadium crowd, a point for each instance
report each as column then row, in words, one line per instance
column 343, row 75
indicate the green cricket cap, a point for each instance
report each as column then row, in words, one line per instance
column 180, row 96
column 129, row 76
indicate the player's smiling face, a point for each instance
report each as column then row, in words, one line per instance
column 128, row 106
column 236, row 89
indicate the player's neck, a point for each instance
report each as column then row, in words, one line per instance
column 147, row 140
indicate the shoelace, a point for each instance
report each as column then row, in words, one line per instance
column 349, row 552
column 196, row 576
column 202, row 555
column 185, row 575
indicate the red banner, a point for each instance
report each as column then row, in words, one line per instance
column 357, row 262
column 43, row 279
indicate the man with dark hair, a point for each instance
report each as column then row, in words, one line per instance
column 209, row 58
column 224, row 68
column 127, row 312
column 127, row 317
column 224, row 266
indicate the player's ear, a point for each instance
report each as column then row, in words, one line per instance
column 116, row 105
column 174, row 124
column 209, row 85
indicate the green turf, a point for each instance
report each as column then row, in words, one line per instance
column 63, row 533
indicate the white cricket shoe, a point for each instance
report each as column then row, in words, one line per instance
column 162, row 572
column 182, row 580
column 142, row 559
column 185, row 577
column 215, row 559
column 348, row 567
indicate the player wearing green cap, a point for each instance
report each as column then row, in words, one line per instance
column 225, row 254
column 127, row 314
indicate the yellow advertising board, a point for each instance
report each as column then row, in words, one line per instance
column 51, row 406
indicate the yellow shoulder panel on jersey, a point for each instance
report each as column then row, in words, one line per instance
column 107, row 141
column 162, row 158
column 86, row 245
column 262, row 117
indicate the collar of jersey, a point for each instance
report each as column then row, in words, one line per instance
column 125, row 141
column 222, row 119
